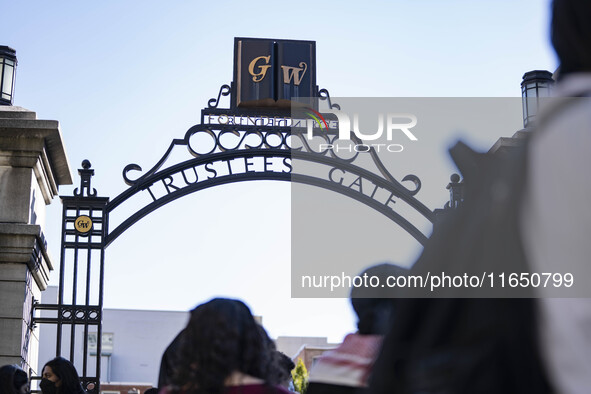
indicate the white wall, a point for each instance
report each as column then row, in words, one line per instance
column 139, row 339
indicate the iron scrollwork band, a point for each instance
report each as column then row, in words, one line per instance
column 212, row 145
column 234, row 138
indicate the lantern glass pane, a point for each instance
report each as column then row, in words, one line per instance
column 7, row 81
column 1, row 77
column 532, row 106
column 531, row 91
column 531, row 87
column 543, row 89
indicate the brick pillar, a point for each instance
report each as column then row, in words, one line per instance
column 33, row 164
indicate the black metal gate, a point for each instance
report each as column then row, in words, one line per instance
column 85, row 223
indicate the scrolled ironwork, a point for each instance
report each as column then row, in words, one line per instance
column 230, row 137
column 130, row 167
column 157, row 166
column 66, row 313
column 415, row 180
column 324, row 95
column 330, row 138
column 210, row 140
column 386, row 174
column 225, row 90
column 234, row 138
column 86, row 174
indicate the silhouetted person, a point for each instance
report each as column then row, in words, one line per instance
column 556, row 219
column 59, row 376
column 13, row 380
column 347, row 368
column 527, row 211
column 223, row 351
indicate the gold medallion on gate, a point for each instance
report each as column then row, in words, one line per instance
column 83, row 224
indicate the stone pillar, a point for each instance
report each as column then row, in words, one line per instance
column 33, row 164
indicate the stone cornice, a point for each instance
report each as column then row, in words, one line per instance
column 25, row 243
column 29, row 142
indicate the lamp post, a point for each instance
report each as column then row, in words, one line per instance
column 535, row 85
column 7, row 74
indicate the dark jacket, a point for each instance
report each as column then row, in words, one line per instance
column 470, row 345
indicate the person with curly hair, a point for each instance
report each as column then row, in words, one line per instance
column 223, row 351
column 59, row 376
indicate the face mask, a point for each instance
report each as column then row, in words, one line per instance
column 47, row 386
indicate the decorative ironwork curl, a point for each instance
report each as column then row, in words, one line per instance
column 67, row 313
column 254, row 138
column 136, row 167
column 260, row 140
column 225, row 90
column 324, row 95
column 282, row 140
column 86, row 174
column 331, row 139
column 386, row 174
column 130, row 167
column 221, row 139
column 219, row 143
column 414, row 179
column 225, row 138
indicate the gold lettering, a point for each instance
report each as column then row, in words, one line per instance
column 258, row 77
column 290, row 73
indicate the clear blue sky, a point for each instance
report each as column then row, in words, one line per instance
column 126, row 77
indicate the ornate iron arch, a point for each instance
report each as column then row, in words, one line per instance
column 240, row 145
column 226, row 160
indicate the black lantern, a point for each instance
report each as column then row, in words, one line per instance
column 535, row 85
column 7, row 73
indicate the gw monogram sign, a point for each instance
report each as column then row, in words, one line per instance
column 83, row 224
column 271, row 73
column 259, row 72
